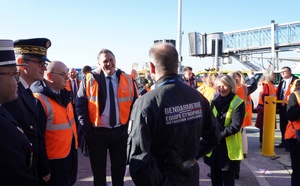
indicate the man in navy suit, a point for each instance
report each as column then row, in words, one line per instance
column 31, row 52
column 15, row 159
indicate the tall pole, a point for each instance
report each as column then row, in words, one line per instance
column 275, row 63
column 179, row 37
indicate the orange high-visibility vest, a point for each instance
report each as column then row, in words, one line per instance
column 290, row 131
column 272, row 91
column 288, row 91
column 125, row 98
column 60, row 129
column 242, row 92
column 248, row 117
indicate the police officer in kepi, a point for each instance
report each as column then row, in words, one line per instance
column 15, row 156
column 32, row 53
column 170, row 127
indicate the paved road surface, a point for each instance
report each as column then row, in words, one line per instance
column 255, row 169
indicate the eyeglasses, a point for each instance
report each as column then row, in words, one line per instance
column 283, row 71
column 15, row 74
column 64, row 75
column 41, row 63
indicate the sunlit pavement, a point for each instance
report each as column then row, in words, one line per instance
column 256, row 169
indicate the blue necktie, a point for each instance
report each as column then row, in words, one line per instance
column 282, row 90
column 112, row 111
column 74, row 91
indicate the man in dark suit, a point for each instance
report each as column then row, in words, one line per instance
column 72, row 85
column 15, row 159
column 284, row 90
column 31, row 52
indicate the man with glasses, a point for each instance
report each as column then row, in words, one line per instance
column 33, row 54
column 283, row 91
column 14, row 145
column 61, row 131
column 73, row 85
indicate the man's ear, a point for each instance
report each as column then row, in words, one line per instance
column 20, row 61
column 152, row 68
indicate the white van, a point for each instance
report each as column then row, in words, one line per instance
column 257, row 75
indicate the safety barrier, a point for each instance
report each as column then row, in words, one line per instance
column 269, row 125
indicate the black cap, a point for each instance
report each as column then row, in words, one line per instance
column 35, row 46
column 7, row 54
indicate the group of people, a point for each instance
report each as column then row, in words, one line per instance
column 288, row 108
column 40, row 108
column 47, row 113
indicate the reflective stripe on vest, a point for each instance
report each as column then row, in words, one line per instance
column 233, row 142
column 60, row 128
column 290, row 130
column 125, row 98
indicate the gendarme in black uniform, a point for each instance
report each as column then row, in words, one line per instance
column 164, row 134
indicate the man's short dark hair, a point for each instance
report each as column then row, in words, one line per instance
column 186, row 68
column 288, row 68
column 86, row 69
column 104, row 51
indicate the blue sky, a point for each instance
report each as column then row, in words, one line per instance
column 80, row 29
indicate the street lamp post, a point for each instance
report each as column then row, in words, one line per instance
column 179, row 37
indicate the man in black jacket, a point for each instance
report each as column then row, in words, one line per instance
column 15, row 156
column 25, row 110
column 103, row 106
column 170, row 127
column 283, row 92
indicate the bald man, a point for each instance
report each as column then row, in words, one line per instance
column 170, row 127
column 60, row 130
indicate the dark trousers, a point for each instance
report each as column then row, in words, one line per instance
column 283, row 121
column 220, row 177
column 64, row 171
column 178, row 178
column 261, row 134
column 294, row 148
column 100, row 140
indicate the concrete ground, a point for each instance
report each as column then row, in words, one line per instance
column 256, row 169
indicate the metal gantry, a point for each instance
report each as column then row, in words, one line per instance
column 286, row 36
column 242, row 44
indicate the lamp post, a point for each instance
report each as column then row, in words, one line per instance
column 179, row 37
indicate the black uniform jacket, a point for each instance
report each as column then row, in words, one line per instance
column 15, row 153
column 26, row 112
column 171, row 119
column 280, row 87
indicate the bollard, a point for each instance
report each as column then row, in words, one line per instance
column 269, row 126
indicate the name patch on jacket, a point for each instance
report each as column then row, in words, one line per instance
column 183, row 113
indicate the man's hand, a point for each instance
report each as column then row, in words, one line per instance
column 47, row 177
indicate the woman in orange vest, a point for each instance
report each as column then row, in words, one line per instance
column 293, row 109
column 267, row 89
